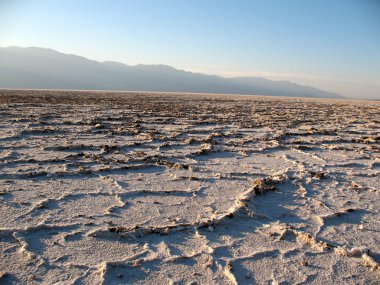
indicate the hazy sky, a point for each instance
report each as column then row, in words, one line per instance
column 330, row 44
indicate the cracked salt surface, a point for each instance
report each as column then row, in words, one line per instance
column 132, row 188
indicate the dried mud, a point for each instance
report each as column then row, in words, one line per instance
column 144, row 188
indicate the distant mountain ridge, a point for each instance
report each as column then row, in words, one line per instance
column 41, row 68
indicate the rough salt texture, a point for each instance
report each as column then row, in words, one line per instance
column 133, row 188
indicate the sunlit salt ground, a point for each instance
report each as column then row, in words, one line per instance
column 130, row 188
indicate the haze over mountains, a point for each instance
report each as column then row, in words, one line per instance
column 40, row 68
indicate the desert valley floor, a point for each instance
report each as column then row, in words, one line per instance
column 143, row 188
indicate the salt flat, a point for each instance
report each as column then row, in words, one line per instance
column 143, row 188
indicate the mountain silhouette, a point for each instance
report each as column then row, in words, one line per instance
column 41, row 68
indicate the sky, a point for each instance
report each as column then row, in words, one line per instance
column 329, row 44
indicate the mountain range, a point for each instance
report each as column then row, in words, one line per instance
column 41, row 68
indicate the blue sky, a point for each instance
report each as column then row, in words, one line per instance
column 330, row 44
